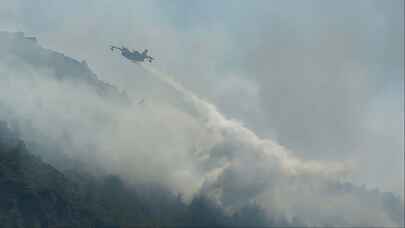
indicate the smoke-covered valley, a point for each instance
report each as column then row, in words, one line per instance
column 179, row 142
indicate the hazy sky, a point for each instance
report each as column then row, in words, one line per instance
column 323, row 78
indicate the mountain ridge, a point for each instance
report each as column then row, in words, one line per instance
column 17, row 48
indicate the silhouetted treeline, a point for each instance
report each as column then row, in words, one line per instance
column 35, row 194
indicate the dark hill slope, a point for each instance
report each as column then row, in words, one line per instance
column 35, row 194
column 32, row 193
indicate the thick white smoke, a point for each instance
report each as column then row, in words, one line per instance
column 190, row 149
column 225, row 128
column 241, row 168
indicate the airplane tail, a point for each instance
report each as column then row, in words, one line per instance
column 114, row 47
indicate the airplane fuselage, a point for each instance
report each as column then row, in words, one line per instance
column 133, row 55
